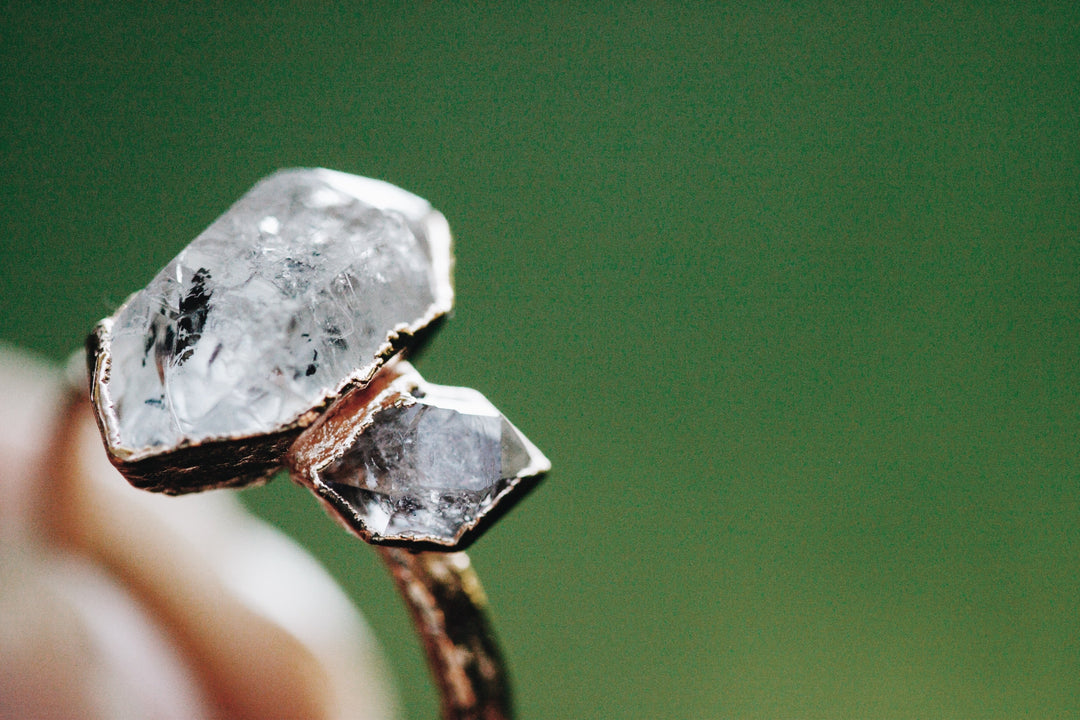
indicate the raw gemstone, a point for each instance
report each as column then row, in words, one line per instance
column 300, row 290
column 425, row 463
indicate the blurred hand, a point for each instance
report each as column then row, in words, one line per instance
column 117, row 603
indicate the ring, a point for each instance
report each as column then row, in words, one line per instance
column 277, row 339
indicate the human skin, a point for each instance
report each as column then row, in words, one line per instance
column 117, row 603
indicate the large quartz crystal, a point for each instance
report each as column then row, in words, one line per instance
column 300, row 291
column 412, row 462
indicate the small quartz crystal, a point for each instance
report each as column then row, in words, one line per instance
column 297, row 293
column 418, row 462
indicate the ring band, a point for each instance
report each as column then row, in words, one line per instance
column 449, row 611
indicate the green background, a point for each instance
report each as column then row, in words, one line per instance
column 788, row 295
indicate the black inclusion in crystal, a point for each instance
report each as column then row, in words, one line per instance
column 194, row 307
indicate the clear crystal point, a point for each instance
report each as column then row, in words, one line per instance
column 423, row 462
column 301, row 289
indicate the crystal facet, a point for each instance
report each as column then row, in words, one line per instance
column 298, row 292
column 419, row 462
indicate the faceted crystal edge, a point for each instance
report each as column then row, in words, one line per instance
column 337, row 430
column 342, row 510
column 538, row 462
column 420, row 213
column 515, row 490
column 428, row 224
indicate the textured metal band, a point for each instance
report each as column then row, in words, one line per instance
column 448, row 607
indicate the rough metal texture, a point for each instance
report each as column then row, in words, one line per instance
column 449, row 610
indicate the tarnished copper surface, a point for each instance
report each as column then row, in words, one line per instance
column 448, row 607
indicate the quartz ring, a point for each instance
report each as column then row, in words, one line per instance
column 276, row 339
